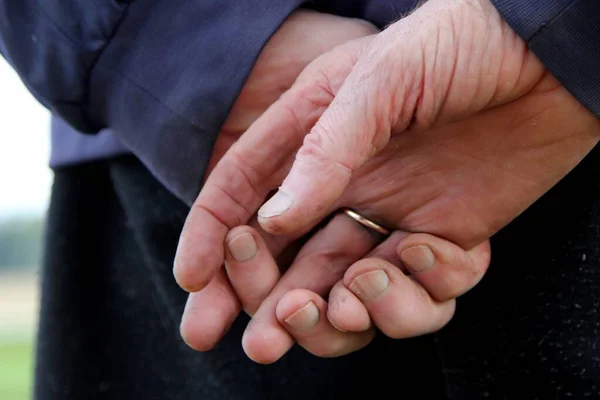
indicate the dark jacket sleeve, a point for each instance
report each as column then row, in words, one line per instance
column 565, row 36
column 162, row 75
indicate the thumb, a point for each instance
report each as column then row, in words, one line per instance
column 354, row 128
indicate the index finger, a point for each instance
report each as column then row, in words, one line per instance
column 240, row 182
column 257, row 164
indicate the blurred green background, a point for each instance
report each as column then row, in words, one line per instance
column 15, row 371
column 20, row 255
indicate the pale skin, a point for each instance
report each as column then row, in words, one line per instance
column 482, row 134
column 303, row 37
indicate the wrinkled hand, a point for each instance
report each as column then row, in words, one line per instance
column 462, row 180
column 302, row 37
column 372, row 290
column 447, row 61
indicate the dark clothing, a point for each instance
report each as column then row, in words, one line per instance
column 111, row 309
column 565, row 36
column 70, row 147
column 163, row 75
column 160, row 75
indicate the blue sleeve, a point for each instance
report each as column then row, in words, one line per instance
column 162, row 75
column 565, row 36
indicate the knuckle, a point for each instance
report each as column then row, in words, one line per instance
column 307, row 100
column 289, row 107
column 314, row 91
column 325, row 148
column 241, row 187
column 314, row 146
column 230, row 202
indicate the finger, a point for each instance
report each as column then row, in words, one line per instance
column 346, row 312
column 353, row 129
column 318, row 266
column 251, row 268
column 398, row 306
column 236, row 187
column 254, row 166
column 208, row 314
column 304, row 315
column 444, row 269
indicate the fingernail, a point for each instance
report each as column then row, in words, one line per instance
column 370, row 285
column 305, row 318
column 243, row 247
column 276, row 205
column 418, row 258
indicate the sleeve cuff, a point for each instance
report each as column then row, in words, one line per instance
column 169, row 77
column 565, row 36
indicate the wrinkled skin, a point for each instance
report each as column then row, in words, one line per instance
column 445, row 123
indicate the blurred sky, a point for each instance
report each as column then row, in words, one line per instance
column 25, row 178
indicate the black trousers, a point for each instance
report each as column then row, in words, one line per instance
column 110, row 312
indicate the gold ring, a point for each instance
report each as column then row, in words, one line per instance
column 366, row 222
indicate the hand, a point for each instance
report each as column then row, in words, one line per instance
column 462, row 180
column 362, row 92
column 542, row 125
column 447, row 61
column 304, row 36
column 295, row 309
column 365, row 88
column 301, row 38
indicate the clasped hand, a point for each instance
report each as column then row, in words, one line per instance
column 443, row 127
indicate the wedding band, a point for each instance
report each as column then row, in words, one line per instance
column 366, row 222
